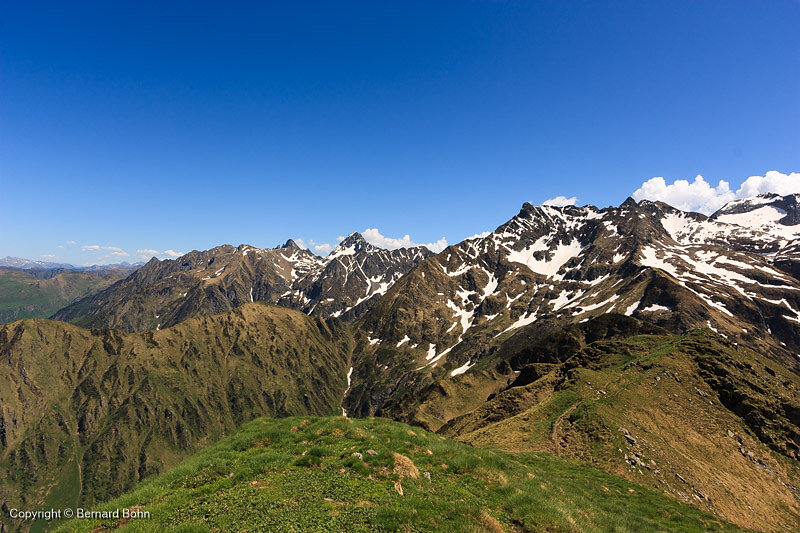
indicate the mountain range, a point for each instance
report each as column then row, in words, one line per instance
column 25, row 264
column 163, row 293
column 654, row 344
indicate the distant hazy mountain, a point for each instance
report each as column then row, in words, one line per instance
column 124, row 265
column 19, row 262
column 25, row 264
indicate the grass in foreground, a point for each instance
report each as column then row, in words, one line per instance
column 338, row 474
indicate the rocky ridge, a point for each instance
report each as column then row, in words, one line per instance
column 163, row 293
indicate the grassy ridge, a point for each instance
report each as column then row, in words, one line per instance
column 707, row 421
column 122, row 407
column 337, row 474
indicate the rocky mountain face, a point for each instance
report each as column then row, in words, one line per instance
column 771, row 213
column 549, row 267
column 353, row 277
column 773, row 217
column 85, row 414
column 163, row 293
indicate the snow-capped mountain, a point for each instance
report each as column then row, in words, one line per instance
column 162, row 293
column 770, row 213
column 551, row 266
column 352, row 277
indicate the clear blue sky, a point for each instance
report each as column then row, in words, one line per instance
column 182, row 126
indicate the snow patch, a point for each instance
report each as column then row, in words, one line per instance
column 349, row 373
column 547, row 267
column 460, row 370
column 431, row 351
column 655, row 307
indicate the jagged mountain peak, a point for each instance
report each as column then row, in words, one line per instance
column 290, row 244
column 352, row 244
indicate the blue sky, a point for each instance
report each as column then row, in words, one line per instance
column 179, row 126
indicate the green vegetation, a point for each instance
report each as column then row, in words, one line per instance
column 23, row 295
column 338, row 474
column 87, row 414
column 696, row 416
column 589, row 411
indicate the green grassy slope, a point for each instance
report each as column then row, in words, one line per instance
column 338, row 474
column 86, row 414
column 22, row 295
column 696, row 416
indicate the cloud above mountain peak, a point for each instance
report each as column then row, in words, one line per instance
column 561, row 201
column 700, row 196
column 374, row 237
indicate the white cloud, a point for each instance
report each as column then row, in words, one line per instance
column 374, row 237
column 324, row 248
column 71, row 242
column 95, row 247
column 700, row 196
column 48, row 256
column 696, row 196
column 772, row 181
column 437, row 246
column 319, row 248
column 120, row 254
column 561, row 201
column 478, row 235
column 147, row 253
